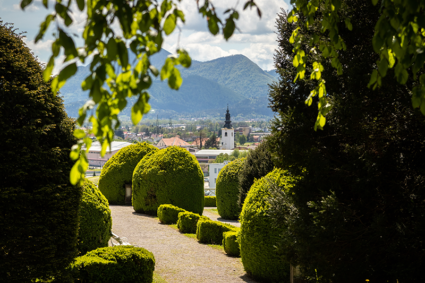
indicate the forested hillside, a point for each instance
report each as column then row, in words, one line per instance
column 207, row 87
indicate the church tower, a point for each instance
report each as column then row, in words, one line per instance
column 227, row 133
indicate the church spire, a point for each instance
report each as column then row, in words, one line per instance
column 228, row 123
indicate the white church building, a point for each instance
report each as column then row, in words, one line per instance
column 227, row 133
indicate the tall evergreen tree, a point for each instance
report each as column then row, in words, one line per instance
column 38, row 205
column 359, row 212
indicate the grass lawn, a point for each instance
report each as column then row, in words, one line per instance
column 95, row 179
column 157, row 278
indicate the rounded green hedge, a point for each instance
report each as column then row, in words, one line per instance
column 118, row 171
column 258, row 238
column 227, row 189
column 169, row 176
column 114, row 264
column 95, row 219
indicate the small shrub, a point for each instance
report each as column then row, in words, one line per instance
column 211, row 232
column 114, row 264
column 230, row 243
column 118, row 171
column 210, row 201
column 169, row 176
column 169, row 214
column 227, row 189
column 95, row 219
column 187, row 221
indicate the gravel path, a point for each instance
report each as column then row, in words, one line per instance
column 178, row 258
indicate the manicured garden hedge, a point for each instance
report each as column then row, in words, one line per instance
column 114, row 264
column 210, row 201
column 118, row 171
column 227, row 189
column 187, row 221
column 258, row 237
column 95, row 219
column 169, row 214
column 169, row 176
column 230, row 243
column 211, row 232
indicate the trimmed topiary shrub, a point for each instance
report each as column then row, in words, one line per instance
column 230, row 243
column 210, row 201
column 114, row 264
column 169, row 214
column 38, row 205
column 211, row 232
column 187, row 221
column 227, row 189
column 118, row 171
column 95, row 219
column 169, row 176
column 258, row 239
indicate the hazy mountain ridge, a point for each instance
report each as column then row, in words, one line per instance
column 207, row 86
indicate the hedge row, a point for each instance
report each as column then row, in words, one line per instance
column 210, row 201
column 211, row 232
column 169, row 214
column 187, row 222
column 114, row 264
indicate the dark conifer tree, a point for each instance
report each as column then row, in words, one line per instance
column 38, row 205
column 359, row 212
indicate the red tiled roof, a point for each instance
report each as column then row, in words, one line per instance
column 175, row 141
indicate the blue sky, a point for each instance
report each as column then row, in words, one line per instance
column 257, row 39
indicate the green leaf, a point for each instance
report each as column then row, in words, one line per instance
column 46, row 3
column 348, row 24
column 416, row 97
column 374, row 2
column 75, row 152
column 170, row 24
column 213, row 24
column 122, row 53
column 373, row 78
column 87, row 83
column 25, row 3
column 79, row 133
column 111, row 48
column 175, row 80
column 167, row 68
column 184, row 58
column 383, row 67
column 49, row 68
column 43, row 27
column 229, row 28
column 81, row 4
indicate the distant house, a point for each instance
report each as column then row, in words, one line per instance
column 214, row 169
column 204, row 140
column 176, row 141
column 94, row 153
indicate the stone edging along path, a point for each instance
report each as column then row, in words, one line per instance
column 178, row 258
